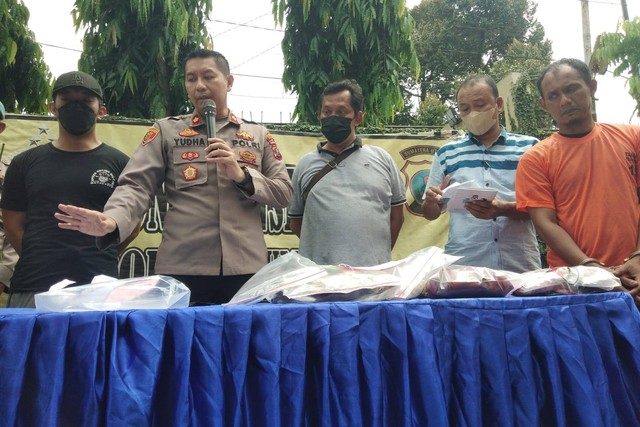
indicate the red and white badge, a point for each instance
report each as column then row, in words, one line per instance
column 190, row 155
column 150, row 135
column 274, row 147
column 247, row 157
column 190, row 173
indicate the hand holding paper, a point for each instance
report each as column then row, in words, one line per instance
column 456, row 195
column 433, row 194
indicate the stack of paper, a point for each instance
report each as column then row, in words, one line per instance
column 459, row 193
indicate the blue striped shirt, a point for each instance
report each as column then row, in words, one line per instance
column 502, row 243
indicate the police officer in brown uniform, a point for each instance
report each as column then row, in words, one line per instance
column 212, row 240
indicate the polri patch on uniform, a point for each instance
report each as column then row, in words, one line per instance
column 274, row 147
column 247, row 157
column 190, row 155
column 189, row 173
column 188, row 132
column 150, row 136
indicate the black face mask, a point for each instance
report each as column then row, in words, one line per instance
column 76, row 118
column 336, row 129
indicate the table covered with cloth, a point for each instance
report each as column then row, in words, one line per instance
column 543, row 361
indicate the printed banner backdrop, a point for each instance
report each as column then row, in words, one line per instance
column 413, row 155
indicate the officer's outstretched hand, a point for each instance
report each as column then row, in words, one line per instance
column 93, row 223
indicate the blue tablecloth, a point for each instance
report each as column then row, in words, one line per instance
column 565, row 360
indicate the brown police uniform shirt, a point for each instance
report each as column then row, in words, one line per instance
column 210, row 222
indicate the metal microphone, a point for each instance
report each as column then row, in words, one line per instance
column 209, row 113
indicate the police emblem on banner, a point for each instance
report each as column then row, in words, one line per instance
column 416, row 170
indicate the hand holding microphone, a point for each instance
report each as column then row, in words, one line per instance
column 218, row 152
column 224, row 157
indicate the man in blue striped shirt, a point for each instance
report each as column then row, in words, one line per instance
column 493, row 233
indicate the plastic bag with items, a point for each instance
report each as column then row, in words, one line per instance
column 461, row 281
column 285, row 271
column 567, row 280
column 151, row 292
column 340, row 283
column 292, row 278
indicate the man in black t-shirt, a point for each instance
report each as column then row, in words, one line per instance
column 77, row 168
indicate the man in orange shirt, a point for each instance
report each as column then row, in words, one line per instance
column 580, row 185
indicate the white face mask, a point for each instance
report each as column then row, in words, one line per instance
column 479, row 122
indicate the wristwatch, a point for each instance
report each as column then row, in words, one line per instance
column 247, row 178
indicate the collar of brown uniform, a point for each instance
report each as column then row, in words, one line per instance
column 197, row 120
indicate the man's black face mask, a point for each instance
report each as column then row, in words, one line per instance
column 336, row 129
column 76, row 117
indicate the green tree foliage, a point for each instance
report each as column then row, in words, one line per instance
column 622, row 49
column 406, row 116
column 431, row 112
column 526, row 59
column 522, row 57
column 135, row 49
column 454, row 38
column 531, row 119
column 25, row 80
column 328, row 40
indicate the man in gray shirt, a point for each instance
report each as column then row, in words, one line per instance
column 353, row 215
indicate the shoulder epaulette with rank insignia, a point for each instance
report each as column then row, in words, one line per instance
column 234, row 119
column 196, row 120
